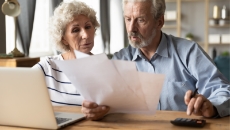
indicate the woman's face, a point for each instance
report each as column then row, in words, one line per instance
column 79, row 34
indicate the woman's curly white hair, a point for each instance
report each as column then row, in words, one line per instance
column 63, row 15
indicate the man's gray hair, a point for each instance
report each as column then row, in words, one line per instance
column 63, row 15
column 158, row 6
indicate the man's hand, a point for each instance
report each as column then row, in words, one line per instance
column 93, row 111
column 199, row 105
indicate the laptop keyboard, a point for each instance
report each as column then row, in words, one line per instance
column 61, row 120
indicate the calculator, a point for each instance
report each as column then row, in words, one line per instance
column 188, row 122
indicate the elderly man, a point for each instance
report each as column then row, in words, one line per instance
column 186, row 66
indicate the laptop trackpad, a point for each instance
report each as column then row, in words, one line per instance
column 66, row 118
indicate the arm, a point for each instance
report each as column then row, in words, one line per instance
column 214, row 97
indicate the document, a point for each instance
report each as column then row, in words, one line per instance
column 114, row 83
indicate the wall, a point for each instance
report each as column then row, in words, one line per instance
column 193, row 21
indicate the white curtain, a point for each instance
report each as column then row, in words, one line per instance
column 117, row 35
column 40, row 44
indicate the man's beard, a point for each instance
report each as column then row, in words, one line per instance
column 143, row 42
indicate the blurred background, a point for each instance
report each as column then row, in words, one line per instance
column 203, row 21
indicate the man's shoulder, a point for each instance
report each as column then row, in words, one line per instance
column 125, row 54
column 181, row 43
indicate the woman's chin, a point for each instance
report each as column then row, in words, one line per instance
column 85, row 50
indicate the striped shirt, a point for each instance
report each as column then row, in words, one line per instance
column 61, row 90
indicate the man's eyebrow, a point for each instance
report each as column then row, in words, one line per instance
column 142, row 16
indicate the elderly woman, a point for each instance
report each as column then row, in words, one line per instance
column 72, row 28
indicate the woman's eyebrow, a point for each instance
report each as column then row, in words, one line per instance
column 87, row 22
column 75, row 24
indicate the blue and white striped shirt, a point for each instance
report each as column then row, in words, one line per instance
column 186, row 67
column 61, row 91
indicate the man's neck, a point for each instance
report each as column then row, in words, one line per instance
column 150, row 50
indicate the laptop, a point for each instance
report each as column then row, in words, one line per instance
column 25, row 101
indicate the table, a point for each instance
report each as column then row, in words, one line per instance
column 159, row 121
column 19, row 62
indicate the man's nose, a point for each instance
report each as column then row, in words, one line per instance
column 132, row 27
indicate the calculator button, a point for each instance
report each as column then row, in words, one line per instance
column 199, row 122
column 178, row 119
column 188, row 120
column 193, row 120
column 183, row 119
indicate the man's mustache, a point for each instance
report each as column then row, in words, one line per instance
column 135, row 34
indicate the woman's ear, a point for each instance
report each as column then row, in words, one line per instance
column 64, row 41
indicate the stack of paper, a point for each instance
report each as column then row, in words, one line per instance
column 113, row 83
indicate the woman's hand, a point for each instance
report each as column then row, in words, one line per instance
column 93, row 111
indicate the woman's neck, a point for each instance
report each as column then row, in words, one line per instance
column 68, row 55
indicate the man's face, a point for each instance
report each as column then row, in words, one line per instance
column 140, row 23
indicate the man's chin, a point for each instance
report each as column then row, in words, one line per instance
column 135, row 45
column 138, row 45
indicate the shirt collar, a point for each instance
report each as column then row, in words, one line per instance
column 137, row 54
column 162, row 49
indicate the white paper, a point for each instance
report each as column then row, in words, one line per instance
column 114, row 83
column 80, row 55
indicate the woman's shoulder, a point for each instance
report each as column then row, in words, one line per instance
column 54, row 57
column 46, row 62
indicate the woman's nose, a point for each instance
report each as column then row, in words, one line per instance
column 84, row 34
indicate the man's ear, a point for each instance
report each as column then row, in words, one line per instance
column 64, row 41
column 161, row 22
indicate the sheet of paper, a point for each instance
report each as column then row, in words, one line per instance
column 127, row 71
column 80, row 55
column 97, row 80
column 114, row 83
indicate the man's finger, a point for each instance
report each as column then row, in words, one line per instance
column 191, row 106
column 187, row 97
column 204, row 106
column 198, row 104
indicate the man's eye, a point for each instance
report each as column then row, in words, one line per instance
column 140, row 20
column 127, row 19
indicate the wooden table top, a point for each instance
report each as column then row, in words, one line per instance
column 159, row 121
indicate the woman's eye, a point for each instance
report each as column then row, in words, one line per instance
column 76, row 30
column 87, row 27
